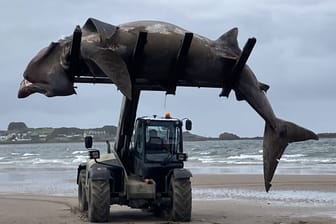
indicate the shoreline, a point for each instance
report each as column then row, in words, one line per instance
column 242, row 200
column 280, row 181
column 204, row 139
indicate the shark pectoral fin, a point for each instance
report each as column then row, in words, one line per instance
column 239, row 96
column 264, row 87
column 275, row 143
column 110, row 64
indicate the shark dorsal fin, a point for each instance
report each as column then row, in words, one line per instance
column 105, row 30
column 229, row 41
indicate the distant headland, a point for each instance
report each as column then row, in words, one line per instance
column 19, row 132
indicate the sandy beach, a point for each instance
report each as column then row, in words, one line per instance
column 246, row 202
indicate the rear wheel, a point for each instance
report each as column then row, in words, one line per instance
column 99, row 201
column 180, row 190
column 82, row 200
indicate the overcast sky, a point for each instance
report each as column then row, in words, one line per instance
column 295, row 54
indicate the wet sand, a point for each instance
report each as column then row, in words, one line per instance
column 236, row 208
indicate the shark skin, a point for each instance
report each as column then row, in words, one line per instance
column 108, row 51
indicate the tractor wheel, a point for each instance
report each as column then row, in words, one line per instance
column 99, row 201
column 82, row 201
column 180, row 190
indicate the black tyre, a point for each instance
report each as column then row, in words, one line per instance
column 82, row 200
column 99, row 201
column 180, row 190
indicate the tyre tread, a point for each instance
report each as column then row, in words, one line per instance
column 99, row 203
column 182, row 200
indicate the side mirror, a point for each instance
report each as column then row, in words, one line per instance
column 188, row 124
column 88, row 142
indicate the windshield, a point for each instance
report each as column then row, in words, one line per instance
column 162, row 140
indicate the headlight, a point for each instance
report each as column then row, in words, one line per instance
column 181, row 156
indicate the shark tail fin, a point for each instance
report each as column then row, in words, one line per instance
column 275, row 143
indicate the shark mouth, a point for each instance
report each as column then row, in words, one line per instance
column 27, row 88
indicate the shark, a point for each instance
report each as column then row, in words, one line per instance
column 155, row 55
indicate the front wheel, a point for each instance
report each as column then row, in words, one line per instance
column 99, row 201
column 82, row 201
column 180, row 191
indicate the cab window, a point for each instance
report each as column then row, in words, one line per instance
column 162, row 138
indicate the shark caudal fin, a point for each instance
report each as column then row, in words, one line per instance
column 275, row 143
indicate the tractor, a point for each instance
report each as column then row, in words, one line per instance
column 149, row 175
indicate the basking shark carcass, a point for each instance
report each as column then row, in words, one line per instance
column 158, row 56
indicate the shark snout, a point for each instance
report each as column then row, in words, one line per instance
column 27, row 88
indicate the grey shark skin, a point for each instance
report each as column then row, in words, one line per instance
column 108, row 51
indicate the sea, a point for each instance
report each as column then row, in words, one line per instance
column 50, row 169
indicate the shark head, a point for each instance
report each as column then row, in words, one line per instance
column 47, row 72
column 51, row 71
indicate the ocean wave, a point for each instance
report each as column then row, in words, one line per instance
column 48, row 161
column 242, row 162
column 209, row 153
column 224, row 162
column 293, row 156
column 7, row 163
column 80, row 159
column 31, row 154
column 227, row 156
column 79, row 152
column 245, row 156
column 309, row 160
